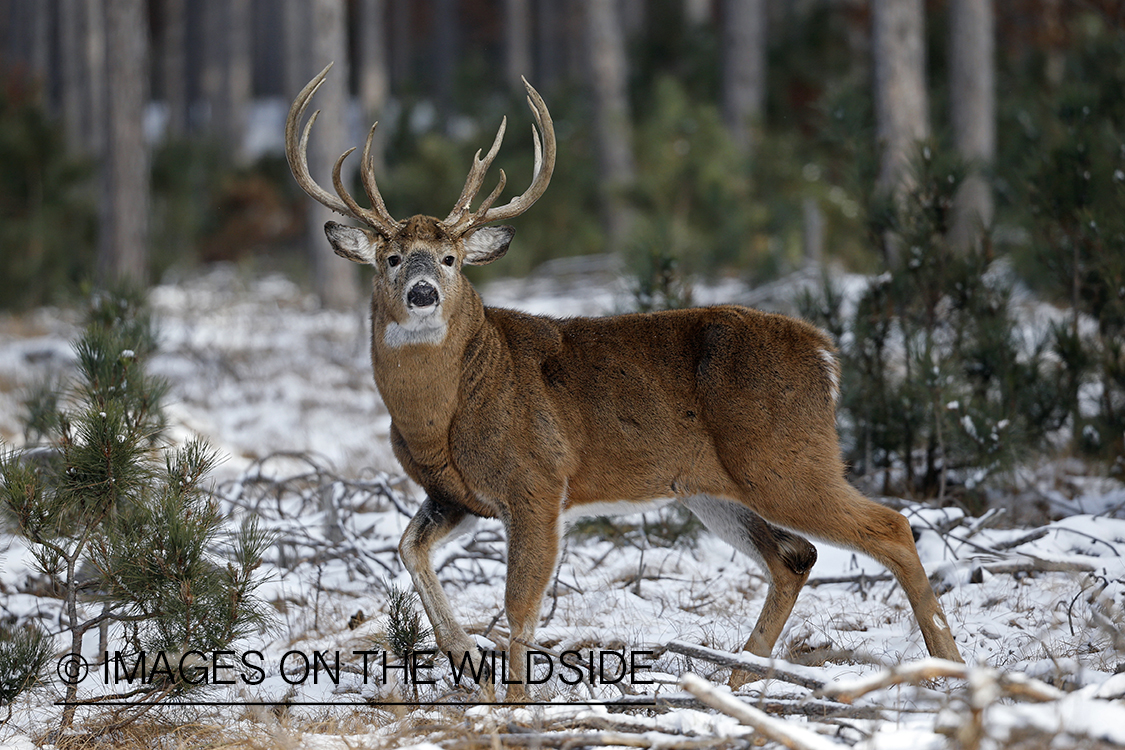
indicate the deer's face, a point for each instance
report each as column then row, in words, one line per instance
column 418, row 271
column 418, row 283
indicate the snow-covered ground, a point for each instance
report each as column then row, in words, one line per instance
column 259, row 370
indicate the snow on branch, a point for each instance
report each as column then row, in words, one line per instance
column 787, row 733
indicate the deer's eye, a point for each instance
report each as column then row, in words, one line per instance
column 448, row 260
column 393, row 260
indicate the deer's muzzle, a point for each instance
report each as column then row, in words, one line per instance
column 422, row 294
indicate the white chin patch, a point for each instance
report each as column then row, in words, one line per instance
column 425, row 326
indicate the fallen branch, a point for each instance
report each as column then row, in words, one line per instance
column 1011, row 543
column 1037, row 565
column 791, row 736
column 746, row 664
column 860, row 578
column 598, row 739
column 807, row 707
column 1013, row 685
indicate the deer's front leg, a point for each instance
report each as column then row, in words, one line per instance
column 432, row 525
column 533, row 550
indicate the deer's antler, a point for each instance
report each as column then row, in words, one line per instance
column 296, row 150
column 460, row 220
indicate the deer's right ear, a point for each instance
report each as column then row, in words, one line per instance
column 355, row 244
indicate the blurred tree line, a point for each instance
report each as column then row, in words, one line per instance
column 145, row 133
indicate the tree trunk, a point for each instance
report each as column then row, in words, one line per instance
column 550, row 19
column 613, row 126
column 227, row 71
column 74, row 73
column 901, row 108
column 335, row 278
column 123, row 251
column 697, row 12
column 41, row 58
column 973, row 110
column 239, row 78
column 374, row 78
column 94, row 16
column 402, row 51
column 299, row 65
column 517, row 42
column 173, row 66
column 444, row 54
column 744, row 69
column 212, row 73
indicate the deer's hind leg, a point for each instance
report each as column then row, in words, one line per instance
column 786, row 559
column 818, row 501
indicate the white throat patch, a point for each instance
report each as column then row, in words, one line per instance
column 418, row 330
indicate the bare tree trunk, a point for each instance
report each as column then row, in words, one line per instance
column 549, row 20
column 973, row 109
column 335, row 278
column 123, row 246
column 97, row 78
column 744, row 69
column 614, row 129
column 374, row 76
column 517, row 42
column 402, row 51
column 445, row 54
column 212, row 75
column 74, row 69
column 239, row 77
column 173, row 66
column 901, row 105
column 299, row 65
column 227, row 75
column 697, row 12
column 41, row 58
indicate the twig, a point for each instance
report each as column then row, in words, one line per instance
column 1018, row 541
column 789, row 735
column 598, row 739
column 1011, row 684
column 808, row 707
column 860, row 578
column 1038, row 565
column 744, row 663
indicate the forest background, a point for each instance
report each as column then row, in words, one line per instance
column 946, row 144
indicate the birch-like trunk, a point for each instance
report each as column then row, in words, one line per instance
column 972, row 76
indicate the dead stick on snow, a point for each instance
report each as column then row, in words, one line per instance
column 734, row 661
column 792, row 736
column 1014, row 685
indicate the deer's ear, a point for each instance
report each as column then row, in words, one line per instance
column 487, row 244
column 355, row 244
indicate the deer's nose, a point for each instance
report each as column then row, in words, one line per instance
column 422, row 294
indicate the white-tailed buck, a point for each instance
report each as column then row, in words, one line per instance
column 536, row 421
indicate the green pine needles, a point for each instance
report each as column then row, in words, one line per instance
column 943, row 392
column 126, row 528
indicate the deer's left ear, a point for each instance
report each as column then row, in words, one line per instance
column 355, row 244
column 487, row 244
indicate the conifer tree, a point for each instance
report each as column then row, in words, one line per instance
column 107, row 500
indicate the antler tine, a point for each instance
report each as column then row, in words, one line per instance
column 354, row 208
column 476, row 177
column 541, row 176
column 296, row 151
column 487, row 202
column 367, row 175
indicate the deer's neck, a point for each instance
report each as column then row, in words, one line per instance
column 419, row 382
